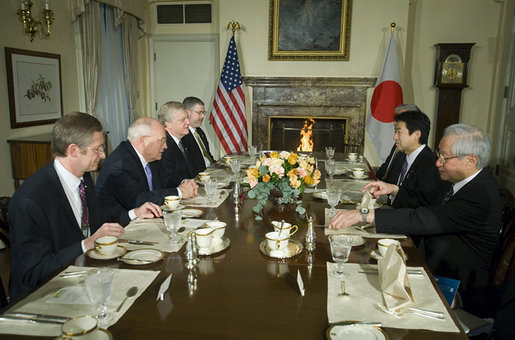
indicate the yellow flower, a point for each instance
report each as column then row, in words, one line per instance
column 266, row 178
column 292, row 172
column 294, row 182
column 274, row 154
column 292, row 159
column 309, row 180
column 317, row 174
column 252, row 172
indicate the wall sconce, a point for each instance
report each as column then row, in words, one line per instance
column 30, row 25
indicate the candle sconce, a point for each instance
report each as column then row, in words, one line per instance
column 30, row 25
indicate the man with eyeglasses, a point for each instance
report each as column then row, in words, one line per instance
column 54, row 216
column 130, row 175
column 460, row 231
column 196, row 141
column 174, row 165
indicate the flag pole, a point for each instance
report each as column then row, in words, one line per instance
column 392, row 25
column 234, row 25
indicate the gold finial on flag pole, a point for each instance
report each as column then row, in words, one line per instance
column 234, row 25
column 392, row 25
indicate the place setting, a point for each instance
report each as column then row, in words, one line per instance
column 278, row 243
column 210, row 238
column 106, row 248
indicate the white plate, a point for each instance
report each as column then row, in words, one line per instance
column 365, row 176
column 179, row 207
column 147, row 256
column 216, row 246
column 186, row 213
column 102, row 334
column 355, row 332
column 119, row 251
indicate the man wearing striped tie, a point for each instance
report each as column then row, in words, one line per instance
column 460, row 231
column 196, row 141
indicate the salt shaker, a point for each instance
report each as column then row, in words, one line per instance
column 310, row 236
column 236, row 192
column 191, row 251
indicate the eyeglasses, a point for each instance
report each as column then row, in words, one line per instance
column 200, row 112
column 98, row 150
column 442, row 158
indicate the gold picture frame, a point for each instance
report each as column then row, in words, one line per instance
column 309, row 30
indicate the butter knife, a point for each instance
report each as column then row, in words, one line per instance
column 356, row 323
column 147, row 243
column 33, row 317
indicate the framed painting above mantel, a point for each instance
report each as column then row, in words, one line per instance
column 309, row 30
column 34, row 85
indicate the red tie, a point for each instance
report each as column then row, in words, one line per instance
column 84, row 227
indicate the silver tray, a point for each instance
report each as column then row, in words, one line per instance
column 218, row 248
column 294, row 249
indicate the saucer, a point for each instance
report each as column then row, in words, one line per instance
column 216, row 247
column 294, row 248
column 355, row 331
column 102, row 334
column 191, row 213
column 365, row 176
column 119, row 251
column 146, row 255
column 179, row 207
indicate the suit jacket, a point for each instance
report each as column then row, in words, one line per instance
column 122, row 184
column 174, row 166
column 195, row 155
column 395, row 167
column 459, row 238
column 418, row 187
column 45, row 236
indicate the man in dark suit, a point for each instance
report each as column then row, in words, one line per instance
column 391, row 168
column 196, row 141
column 174, row 166
column 130, row 175
column 55, row 216
column 419, row 175
column 460, row 231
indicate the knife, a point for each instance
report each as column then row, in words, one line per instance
column 33, row 317
column 147, row 243
column 355, row 323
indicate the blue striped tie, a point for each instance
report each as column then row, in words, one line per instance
column 448, row 195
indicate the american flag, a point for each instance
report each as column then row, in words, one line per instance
column 228, row 113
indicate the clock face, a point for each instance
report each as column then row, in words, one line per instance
column 452, row 73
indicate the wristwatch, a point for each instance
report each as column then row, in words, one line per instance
column 364, row 213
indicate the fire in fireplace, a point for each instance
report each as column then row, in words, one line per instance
column 306, row 142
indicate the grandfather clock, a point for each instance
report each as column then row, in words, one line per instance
column 450, row 78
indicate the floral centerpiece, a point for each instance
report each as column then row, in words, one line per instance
column 285, row 174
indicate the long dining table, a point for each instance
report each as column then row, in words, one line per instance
column 242, row 293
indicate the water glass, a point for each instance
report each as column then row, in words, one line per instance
column 329, row 152
column 341, row 246
column 330, row 167
column 99, row 284
column 252, row 151
column 173, row 221
column 235, row 167
column 211, row 188
column 333, row 198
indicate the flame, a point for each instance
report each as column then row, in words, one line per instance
column 306, row 143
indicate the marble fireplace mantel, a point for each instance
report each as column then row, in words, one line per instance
column 314, row 97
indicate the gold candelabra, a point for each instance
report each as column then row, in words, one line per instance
column 30, row 25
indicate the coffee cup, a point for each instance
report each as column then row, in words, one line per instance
column 358, row 172
column 384, row 243
column 80, row 327
column 172, row 202
column 204, row 238
column 106, row 245
column 218, row 228
column 204, row 176
column 276, row 241
column 287, row 228
column 353, row 156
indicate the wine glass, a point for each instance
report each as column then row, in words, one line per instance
column 211, row 188
column 341, row 246
column 235, row 167
column 99, row 284
column 252, row 151
column 329, row 152
column 330, row 167
column 173, row 219
column 333, row 198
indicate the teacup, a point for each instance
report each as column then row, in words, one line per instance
column 288, row 229
column 228, row 159
column 204, row 238
column 172, row 202
column 219, row 228
column 204, row 176
column 384, row 243
column 358, row 172
column 276, row 242
column 80, row 327
column 353, row 156
column 106, row 245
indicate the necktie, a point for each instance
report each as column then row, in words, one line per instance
column 148, row 172
column 204, row 151
column 181, row 147
column 84, row 221
column 448, row 195
column 403, row 171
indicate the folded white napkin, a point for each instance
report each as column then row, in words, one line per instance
column 368, row 200
column 394, row 282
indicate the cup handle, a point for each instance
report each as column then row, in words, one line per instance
column 294, row 228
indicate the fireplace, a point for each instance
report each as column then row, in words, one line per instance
column 339, row 102
column 284, row 132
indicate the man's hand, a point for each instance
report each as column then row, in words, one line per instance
column 346, row 218
column 148, row 210
column 188, row 188
column 111, row 229
column 379, row 188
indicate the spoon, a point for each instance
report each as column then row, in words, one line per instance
column 130, row 293
column 281, row 228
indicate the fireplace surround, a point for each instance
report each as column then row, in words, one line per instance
column 321, row 98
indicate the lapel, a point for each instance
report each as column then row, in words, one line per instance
column 417, row 160
column 182, row 156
